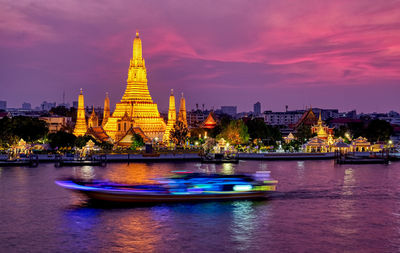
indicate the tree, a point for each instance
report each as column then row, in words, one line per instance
column 235, row 133
column 82, row 140
column 259, row 130
column 27, row 128
column 179, row 133
column 378, row 130
column 303, row 133
column 137, row 142
column 61, row 139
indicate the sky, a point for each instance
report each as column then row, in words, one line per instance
column 328, row 54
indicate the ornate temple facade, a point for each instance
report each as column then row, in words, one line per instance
column 136, row 102
column 80, row 126
column 171, row 117
column 136, row 113
column 106, row 112
column 182, row 111
column 93, row 120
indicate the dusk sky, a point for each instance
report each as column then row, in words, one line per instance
column 328, row 54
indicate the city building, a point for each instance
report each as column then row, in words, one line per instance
column 196, row 117
column 229, row 110
column 26, row 106
column 257, row 109
column 3, row 105
column 75, row 104
column 56, row 124
column 282, row 118
column 45, row 106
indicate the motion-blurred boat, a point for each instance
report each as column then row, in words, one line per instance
column 182, row 187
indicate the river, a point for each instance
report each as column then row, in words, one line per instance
column 319, row 207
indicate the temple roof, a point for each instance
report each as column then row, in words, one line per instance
column 308, row 118
column 98, row 133
column 209, row 122
column 126, row 140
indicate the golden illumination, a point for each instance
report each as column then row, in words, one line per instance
column 136, row 101
column 93, row 120
column 182, row 111
column 106, row 112
column 80, row 126
column 171, row 116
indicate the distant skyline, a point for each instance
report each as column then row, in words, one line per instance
column 327, row 54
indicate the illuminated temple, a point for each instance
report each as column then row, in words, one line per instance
column 171, row 117
column 80, row 126
column 136, row 113
column 136, row 108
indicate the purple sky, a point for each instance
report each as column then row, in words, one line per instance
column 329, row 54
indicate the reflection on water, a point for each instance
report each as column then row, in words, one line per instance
column 227, row 169
column 84, row 172
column 244, row 224
column 319, row 208
column 300, row 169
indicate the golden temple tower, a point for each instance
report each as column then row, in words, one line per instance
column 182, row 111
column 106, row 112
column 93, row 120
column 137, row 101
column 80, row 126
column 171, row 116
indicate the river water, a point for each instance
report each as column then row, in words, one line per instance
column 319, row 207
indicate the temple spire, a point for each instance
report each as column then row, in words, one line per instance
column 182, row 111
column 106, row 112
column 171, row 116
column 80, row 126
column 93, row 119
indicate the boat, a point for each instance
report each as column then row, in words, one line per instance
column 181, row 187
column 86, row 161
column 220, row 158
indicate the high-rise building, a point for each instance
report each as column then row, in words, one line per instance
column 45, row 106
column 75, row 104
column 230, row 110
column 136, row 102
column 3, row 105
column 257, row 109
column 26, row 106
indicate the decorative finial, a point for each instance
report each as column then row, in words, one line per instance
column 182, row 94
column 172, row 92
column 81, row 91
column 137, row 33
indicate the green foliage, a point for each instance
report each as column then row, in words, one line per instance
column 303, row 133
column 27, row 128
column 235, row 133
column 222, row 124
column 292, row 146
column 82, row 140
column 137, row 142
column 61, row 139
column 179, row 133
column 378, row 130
column 63, row 111
column 259, row 130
